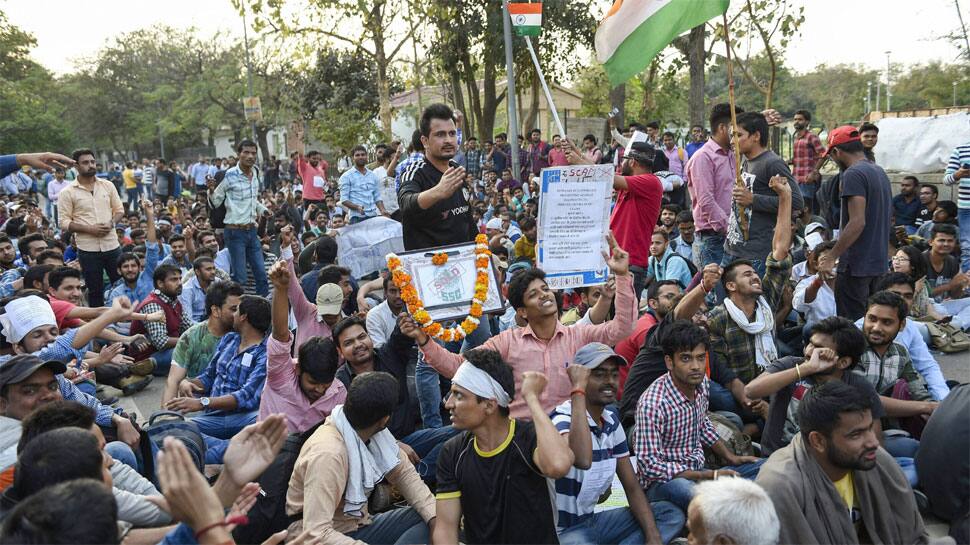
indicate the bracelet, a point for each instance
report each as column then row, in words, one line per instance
column 799, row 371
column 577, row 391
column 426, row 341
column 209, row 527
column 715, row 475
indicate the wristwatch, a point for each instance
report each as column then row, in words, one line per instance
column 205, row 402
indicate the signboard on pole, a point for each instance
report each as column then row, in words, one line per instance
column 574, row 215
column 252, row 109
column 526, row 18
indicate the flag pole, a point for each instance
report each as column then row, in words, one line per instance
column 545, row 88
column 742, row 218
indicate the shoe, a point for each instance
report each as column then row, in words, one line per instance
column 108, row 400
column 922, row 502
column 134, row 384
column 143, row 368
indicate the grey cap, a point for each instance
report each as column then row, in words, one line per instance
column 593, row 354
column 20, row 367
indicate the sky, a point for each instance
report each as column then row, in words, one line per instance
column 834, row 32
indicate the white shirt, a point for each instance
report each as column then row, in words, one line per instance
column 822, row 307
column 380, row 323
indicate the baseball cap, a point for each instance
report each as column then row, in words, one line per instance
column 330, row 298
column 494, row 223
column 642, row 151
column 594, row 354
column 842, row 135
column 20, row 367
column 814, row 226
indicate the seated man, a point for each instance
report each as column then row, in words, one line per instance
column 316, row 318
column 355, row 346
column 672, row 425
column 727, row 396
column 195, row 347
column 592, row 428
column 665, row 263
column 344, row 459
column 303, row 390
column 814, row 297
column 135, row 280
column 833, row 484
column 194, row 288
column 163, row 336
column 232, row 383
column 743, row 326
column 732, row 512
column 49, row 516
column 944, row 468
column 382, row 319
column 492, row 479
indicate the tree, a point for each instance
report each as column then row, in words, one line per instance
column 375, row 35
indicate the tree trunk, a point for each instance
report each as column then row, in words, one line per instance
column 531, row 120
column 649, row 104
column 490, row 100
column 382, row 63
column 261, row 132
column 618, row 101
column 696, row 60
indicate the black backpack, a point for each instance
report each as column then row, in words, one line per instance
column 268, row 515
column 690, row 264
column 217, row 214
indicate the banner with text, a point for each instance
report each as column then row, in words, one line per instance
column 362, row 247
column 574, row 214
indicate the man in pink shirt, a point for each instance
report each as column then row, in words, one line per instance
column 313, row 172
column 544, row 345
column 710, row 178
column 557, row 157
column 303, row 390
column 315, row 319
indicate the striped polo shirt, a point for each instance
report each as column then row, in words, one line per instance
column 960, row 156
column 578, row 492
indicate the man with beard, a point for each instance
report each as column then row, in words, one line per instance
column 8, row 254
column 135, row 282
column 360, row 189
column 194, row 290
column 357, row 349
column 313, row 172
column 163, row 336
column 591, row 425
column 807, row 158
column 90, row 207
column 433, row 205
column 866, row 204
column 906, row 205
column 833, row 484
column 179, row 255
column 639, row 194
column 382, row 319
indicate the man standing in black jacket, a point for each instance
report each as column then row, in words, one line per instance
column 434, row 209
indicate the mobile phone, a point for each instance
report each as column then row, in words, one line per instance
column 613, row 113
column 965, row 165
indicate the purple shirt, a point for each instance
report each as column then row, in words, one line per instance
column 282, row 393
column 710, row 178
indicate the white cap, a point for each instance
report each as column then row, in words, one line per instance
column 494, row 223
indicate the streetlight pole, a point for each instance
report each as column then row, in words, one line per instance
column 889, row 93
column 249, row 64
column 869, row 97
column 954, row 94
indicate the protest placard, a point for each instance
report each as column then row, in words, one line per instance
column 574, row 213
column 361, row 247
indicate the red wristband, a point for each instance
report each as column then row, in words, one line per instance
column 577, row 391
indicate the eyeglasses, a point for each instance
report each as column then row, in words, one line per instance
column 900, row 259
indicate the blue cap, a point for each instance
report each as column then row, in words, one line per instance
column 593, row 354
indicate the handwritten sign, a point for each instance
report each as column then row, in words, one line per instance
column 362, row 247
column 574, row 213
column 447, row 290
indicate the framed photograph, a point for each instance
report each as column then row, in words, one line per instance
column 447, row 290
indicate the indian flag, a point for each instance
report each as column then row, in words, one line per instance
column 526, row 18
column 634, row 31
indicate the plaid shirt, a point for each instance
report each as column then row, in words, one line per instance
column 158, row 331
column 883, row 372
column 732, row 344
column 6, row 281
column 473, row 163
column 807, row 150
column 671, row 431
column 239, row 374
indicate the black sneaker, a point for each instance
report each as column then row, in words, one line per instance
column 134, row 384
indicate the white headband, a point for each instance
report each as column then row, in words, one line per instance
column 24, row 315
column 480, row 383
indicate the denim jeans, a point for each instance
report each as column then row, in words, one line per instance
column 223, row 425
column 427, row 444
column 149, row 191
column 722, row 402
column 428, row 383
column 903, row 449
column 808, row 195
column 397, row 526
column 245, row 249
column 122, row 453
column 163, row 362
column 94, row 265
column 959, row 309
column 680, row 491
column 963, row 216
column 620, row 527
column 132, row 199
column 708, row 248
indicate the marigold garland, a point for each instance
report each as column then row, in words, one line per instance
column 409, row 294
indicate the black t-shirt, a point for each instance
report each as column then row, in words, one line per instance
column 942, row 461
column 868, row 254
column 449, row 221
column 924, row 215
column 504, row 497
column 649, row 365
column 951, row 267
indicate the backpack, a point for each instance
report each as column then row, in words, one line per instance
column 947, row 338
column 736, row 441
column 217, row 214
column 690, row 264
column 178, row 426
column 268, row 515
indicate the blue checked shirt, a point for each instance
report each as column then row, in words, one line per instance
column 241, row 375
column 362, row 189
column 143, row 284
column 6, row 282
column 61, row 350
column 241, row 196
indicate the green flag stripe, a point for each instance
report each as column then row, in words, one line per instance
column 641, row 46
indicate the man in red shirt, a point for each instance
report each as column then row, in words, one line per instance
column 807, row 157
column 638, row 197
column 313, row 172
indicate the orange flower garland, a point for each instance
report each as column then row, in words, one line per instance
column 409, row 294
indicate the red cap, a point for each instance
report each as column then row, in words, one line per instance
column 842, row 135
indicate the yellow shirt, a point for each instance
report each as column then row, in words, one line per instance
column 846, row 489
column 129, row 176
column 525, row 248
